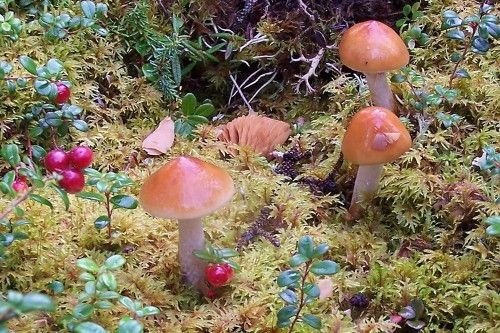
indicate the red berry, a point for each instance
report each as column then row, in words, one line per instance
column 63, row 93
column 57, row 160
column 211, row 294
column 229, row 270
column 20, row 186
column 217, row 275
column 73, row 181
column 80, row 157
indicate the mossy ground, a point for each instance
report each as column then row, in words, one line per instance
column 425, row 203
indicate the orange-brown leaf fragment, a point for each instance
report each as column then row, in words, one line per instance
column 161, row 139
column 259, row 133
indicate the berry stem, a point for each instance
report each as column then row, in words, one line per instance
column 302, row 301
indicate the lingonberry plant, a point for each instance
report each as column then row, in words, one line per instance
column 109, row 186
column 191, row 115
column 220, row 269
column 300, row 289
column 412, row 33
column 474, row 34
column 493, row 223
column 100, row 294
column 15, row 303
column 411, row 315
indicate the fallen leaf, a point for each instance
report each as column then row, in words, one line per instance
column 325, row 288
column 161, row 139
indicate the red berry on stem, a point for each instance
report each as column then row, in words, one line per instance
column 57, row 160
column 20, row 186
column 211, row 294
column 63, row 93
column 73, row 181
column 217, row 275
column 80, row 157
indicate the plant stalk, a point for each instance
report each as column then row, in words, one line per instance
column 302, row 301
column 365, row 186
column 380, row 91
column 191, row 238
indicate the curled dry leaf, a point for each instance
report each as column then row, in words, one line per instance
column 325, row 288
column 261, row 134
column 161, row 139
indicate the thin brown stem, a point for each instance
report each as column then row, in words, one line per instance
column 302, row 301
column 15, row 203
column 109, row 211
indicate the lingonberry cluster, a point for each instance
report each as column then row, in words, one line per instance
column 70, row 165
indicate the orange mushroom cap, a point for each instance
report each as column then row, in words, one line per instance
column 186, row 188
column 375, row 136
column 372, row 47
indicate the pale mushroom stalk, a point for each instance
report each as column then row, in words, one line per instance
column 191, row 238
column 380, row 91
column 365, row 186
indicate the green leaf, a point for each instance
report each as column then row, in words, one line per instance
column 55, row 66
column 325, row 267
column 87, row 264
column 36, row 302
column 90, row 287
column 124, row 201
column 320, row 250
column 288, row 296
column 91, row 196
column 108, row 279
column 130, row 326
column 462, row 73
column 205, row 110
column 114, row 262
column 493, row 29
column 88, row 8
column 195, row 120
column 83, row 311
column 28, row 64
column 311, row 290
column 415, row 324
column 407, row 313
column 89, row 327
column 80, row 125
column 288, row 277
column 86, row 276
column 150, row 72
column 43, row 87
column 150, row 311
column 63, row 195
column 107, row 294
column 128, row 303
column 228, row 253
column 456, row 34
column 312, row 321
column 398, row 78
column 306, row 246
column 56, row 286
column 41, row 200
column 101, row 222
column 287, row 312
column 188, row 104
column 105, row 305
column 11, row 154
column 297, row 260
column 480, row 45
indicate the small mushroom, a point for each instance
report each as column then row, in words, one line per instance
column 187, row 189
column 259, row 133
column 375, row 136
column 373, row 48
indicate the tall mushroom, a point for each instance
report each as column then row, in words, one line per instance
column 187, row 189
column 373, row 48
column 375, row 136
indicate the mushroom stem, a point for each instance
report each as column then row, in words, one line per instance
column 191, row 238
column 366, row 184
column 380, row 91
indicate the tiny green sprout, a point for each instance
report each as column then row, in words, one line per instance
column 489, row 161
column 448, row 120
column 100, row 293
column 109, row 188
column 192, row 115
column 300, row 289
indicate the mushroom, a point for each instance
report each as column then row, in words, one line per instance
column 375, row 136
column 373, row 48
column 187, row 189
column 259, row 133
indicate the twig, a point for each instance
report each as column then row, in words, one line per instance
column 314, row 62
column 304, row 8
column 250, row 109
column 262, row 87
column 301, row 303
column 15, row 203
column 466, row 49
